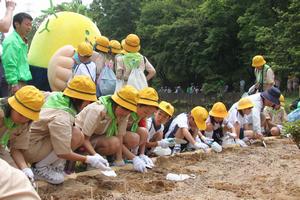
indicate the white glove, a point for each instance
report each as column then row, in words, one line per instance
column 200, row 145
column 149, row 163
column 28, row 172
column 98, row 162
column 165, row 143
column 208, row 141
column 241, row 143
column 103, row 160
column 139, row 165
column 232, row 134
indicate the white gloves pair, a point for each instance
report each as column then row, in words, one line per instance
column 98, row 162
column 142, row 162
column 165, row 143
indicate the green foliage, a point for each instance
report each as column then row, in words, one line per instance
column 293, row 128
column 116, row 18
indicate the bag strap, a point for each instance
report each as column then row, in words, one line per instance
column 88, row 71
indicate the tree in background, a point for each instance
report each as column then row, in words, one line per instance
column 116, row 18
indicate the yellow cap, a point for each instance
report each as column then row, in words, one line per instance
column 281, row 99
column 148, row 96
column 131, row 43
column 115, row 46
column 81, row 87
column 28, row 102
column 200, row 115
column 122, row 44
column 126, row 97
column 85, row 49
column 244, row 103
column 258, row 61
column 166, row 107
column 218, row 110
column 102, row 44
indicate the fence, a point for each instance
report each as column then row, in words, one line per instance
column 185, row 102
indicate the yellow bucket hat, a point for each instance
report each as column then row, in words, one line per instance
column 102, row 44
column 115, row 46
column 126, row 97
column 28, row 102
column 244, row 103
column 81, row 87
column 281, row 99
column 85, row 49
column 218, row 110
column 148, row 96
column 131, row 43
column 200, row 115
column 166, row 107
column 258, row 61
column 122, row 44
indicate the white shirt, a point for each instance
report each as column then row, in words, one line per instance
column 256, row 110
column 181, row 121
column 151, row 129
column 88, row 69
column 235, row 117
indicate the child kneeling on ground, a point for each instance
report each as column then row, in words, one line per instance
column 238, row 116
column 104, row 122
column 134, row 141
column 275, row 118
column 186, row 126
column 52, row 139
column 218, row 127
column 155, row 127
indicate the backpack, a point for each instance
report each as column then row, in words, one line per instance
column 137, row 78
column 106, row 82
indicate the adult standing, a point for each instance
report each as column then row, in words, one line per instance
column 5, row 23
column 263, row 73
column 15, row 49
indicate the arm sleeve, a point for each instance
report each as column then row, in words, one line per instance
column 256, row 120
column 149, row 68
column 270, row 76
column 10, row 60
column 91, row 119
column 119, row 68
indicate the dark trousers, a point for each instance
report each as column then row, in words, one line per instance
column 3, row 83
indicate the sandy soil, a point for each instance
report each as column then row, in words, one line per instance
column 250, row 173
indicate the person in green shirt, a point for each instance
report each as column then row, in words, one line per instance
column 14, row 57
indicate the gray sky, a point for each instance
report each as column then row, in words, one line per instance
column 34, row 7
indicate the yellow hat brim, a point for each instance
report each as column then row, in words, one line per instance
column 220, row 115
column 26, row 112
column 124, row 103
column 131, row 49
column 80, row 95
column 148, row 102
column 102, row 48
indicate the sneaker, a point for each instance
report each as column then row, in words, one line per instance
column 176, row 149
column 47, row 174
column 59, row 166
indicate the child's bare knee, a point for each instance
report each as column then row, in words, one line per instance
column 275, row 131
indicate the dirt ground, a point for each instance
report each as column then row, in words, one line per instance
column 249, row 173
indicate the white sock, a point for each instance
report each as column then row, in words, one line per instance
column 48, row 160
